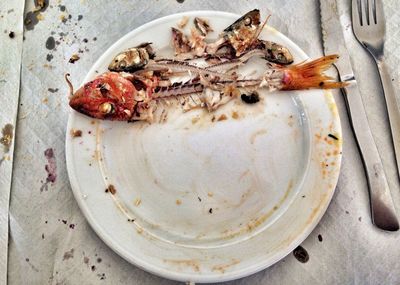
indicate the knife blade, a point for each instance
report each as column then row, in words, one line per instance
column 383, row 213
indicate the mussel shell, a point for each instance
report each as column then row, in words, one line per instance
column 251, row 18
column 132, row 59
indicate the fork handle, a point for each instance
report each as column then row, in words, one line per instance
column 393, row 109
column 383, row 212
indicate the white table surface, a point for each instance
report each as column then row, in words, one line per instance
column 44, row 247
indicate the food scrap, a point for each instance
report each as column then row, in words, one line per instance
column 183, row 22
column 223, row 117
column 74, row 58
column 301, row 254
column 251, row 98
column 76, row 133
column 111, row 189
column 138, row 201
column 333, row 137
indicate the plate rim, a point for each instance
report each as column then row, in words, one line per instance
column 184, row 276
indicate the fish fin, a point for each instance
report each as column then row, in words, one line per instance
column 310, row 74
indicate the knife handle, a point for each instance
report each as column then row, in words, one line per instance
column 383, row 212
column 392, row 105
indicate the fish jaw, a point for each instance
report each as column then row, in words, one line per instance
column 109, row 96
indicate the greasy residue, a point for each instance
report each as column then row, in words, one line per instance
column 41, row 5
column 7, row 137
column 221, row 268
column 254, row 223
column 256, row 134
column 31, row 20
column 194, row 264
column 33, row 17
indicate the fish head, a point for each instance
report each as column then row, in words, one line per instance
column 109, row 96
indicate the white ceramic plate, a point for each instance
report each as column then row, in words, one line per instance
column 267, row 173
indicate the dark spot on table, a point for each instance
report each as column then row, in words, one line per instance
column 62, row 8
column 93, row 267
column 86, row 260
column 52, row 90
column 347, row 212
column 359, row 219
column 210, row 210
column 80, row 17
column 199, row 199
column 50, row 167
column 94, row 39
column 301, row 254
column 102, row 276
column 72, row 226
column 85, row 40
column 10, row 11
column 303, row 196
column 70, row 16
column 99, row 260
column 50, row 43
column 42, row 236
column 27, row 259
column 31, row 20
column 180, row 1
column 320, row 237
column 68, row 254
column 49, row 57
column 11, row 35
column 45, row 222
column 64, row 222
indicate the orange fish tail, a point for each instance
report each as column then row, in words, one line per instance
column 310, row 74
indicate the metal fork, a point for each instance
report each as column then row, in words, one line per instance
column 369, row 28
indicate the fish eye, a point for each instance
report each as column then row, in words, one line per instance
column 106, row 108
column 247, row 21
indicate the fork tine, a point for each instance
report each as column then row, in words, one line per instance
column 364, row 12
column 355, row 13
column 371, row 12
column 380, row 17
column 374, row 11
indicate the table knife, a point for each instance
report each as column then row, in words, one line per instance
column 383, row 213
